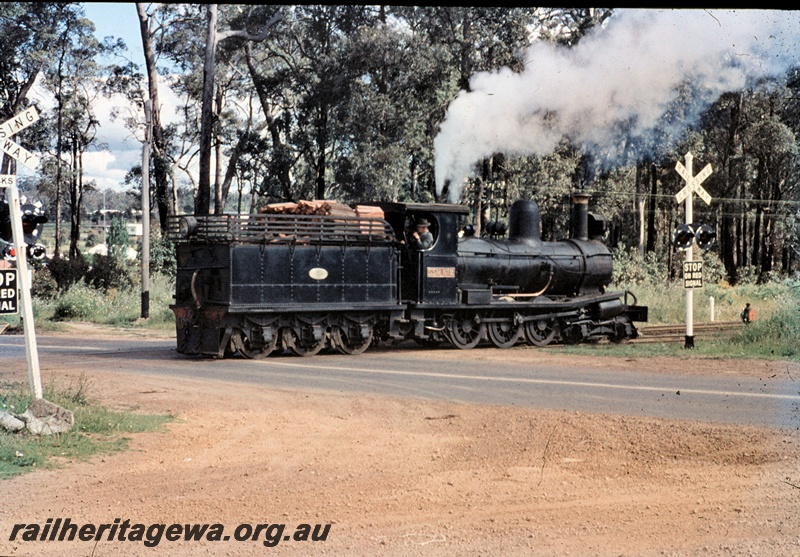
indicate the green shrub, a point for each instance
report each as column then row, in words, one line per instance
column 108, row 272
column 67, row 272
column 91, row 240
column 79, row 303
column 44, row 284
column 631, row 269
column 776, row 331
column 162, row 254
column 118, row 239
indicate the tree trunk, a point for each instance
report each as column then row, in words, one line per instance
column 638, row 208
column 756, row 256
column 230, row 172
column 744, row 234
column 160, row 168
column 322, row 141
column 278, row 148
column 75, row 203
column 651, row 215
column 219, row 196
column 768, row 247
column 202, row 204
column 728, row 244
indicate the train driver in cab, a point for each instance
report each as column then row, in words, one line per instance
column 421, row 238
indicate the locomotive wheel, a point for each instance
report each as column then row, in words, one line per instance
column 289, row 340
column 541, row 332
column 347, row 345
column 504, row 334
column 464, row 331
column 241, row 343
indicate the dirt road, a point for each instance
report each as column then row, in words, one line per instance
column 404, row 477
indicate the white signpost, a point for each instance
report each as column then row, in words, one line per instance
column 687, row 195
column 9, row 182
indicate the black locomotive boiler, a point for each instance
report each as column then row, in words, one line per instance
column 256, row 284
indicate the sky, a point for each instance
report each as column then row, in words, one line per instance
column 108, row 167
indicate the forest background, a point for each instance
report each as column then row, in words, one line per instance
column 367, row 103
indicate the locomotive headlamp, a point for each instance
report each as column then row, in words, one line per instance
column 704, row 236
column 187, row 226
column 683, row 236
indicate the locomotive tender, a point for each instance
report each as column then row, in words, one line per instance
column 256, row 284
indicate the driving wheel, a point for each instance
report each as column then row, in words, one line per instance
column 504, row 334
column 541, row 332
column 465, row 331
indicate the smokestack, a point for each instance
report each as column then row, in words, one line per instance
column 523, row 222
column 580, row 216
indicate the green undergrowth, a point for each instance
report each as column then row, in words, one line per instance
column 774, row 334
column 98, row 429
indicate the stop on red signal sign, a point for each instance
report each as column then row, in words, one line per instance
column 8, row 291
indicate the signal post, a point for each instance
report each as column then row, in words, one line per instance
column 9, row 183
column 687, row 195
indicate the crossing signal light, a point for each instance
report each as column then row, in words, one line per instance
column 705, row 236
column 683, row 236
column 7, row 250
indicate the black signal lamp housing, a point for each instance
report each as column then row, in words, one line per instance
column 683, row 236
column 705, row 236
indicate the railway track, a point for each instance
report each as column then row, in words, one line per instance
column 677, row 332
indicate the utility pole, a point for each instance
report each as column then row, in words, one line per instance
column 146, row 211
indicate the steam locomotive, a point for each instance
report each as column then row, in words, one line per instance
column 257, row 284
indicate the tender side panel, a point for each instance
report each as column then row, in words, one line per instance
column 287, row 275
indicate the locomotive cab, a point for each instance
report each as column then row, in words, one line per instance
column 428, row 276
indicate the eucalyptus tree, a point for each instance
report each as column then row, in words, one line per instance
column 479, row 39
column 151, row 25
column 213, row 37
column 772, row 148
column 30, row 32
column 204, row 42
column 388, row 120
column 75, row 79
column 179, row 38
column 319, row 35
column 306, row 77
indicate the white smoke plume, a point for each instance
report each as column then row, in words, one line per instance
column 617, row 80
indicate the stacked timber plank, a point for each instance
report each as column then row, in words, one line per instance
column 323, row 207
column 315, row 207
column 336, row 222
column 369, row 212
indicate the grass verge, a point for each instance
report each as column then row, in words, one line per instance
column 773, row 335
column 97, row 430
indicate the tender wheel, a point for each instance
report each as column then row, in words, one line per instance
column 289, row 340
column 465, row 331
column 504, row 335
column 541, row 332
column 347, row 345
column 241, row 343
